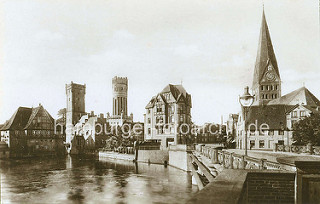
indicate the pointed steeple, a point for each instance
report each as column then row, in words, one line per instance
column 266, row 79
column 265, row 54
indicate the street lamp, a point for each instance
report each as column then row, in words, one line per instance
column 246, row 101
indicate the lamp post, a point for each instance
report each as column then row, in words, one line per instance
column 245, row 101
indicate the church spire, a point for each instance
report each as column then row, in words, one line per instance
column 266, row 71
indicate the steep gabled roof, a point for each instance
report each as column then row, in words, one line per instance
column 265, row 54
column 181, row 98
column 313, row 110
column 34, row 113
column 151, row 102
column 22, row 118
column 176, row 91
column 18, row 120
column 272, row 115
column 300, row 96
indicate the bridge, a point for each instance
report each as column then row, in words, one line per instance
column 228, row 176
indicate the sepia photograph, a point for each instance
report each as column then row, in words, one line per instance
column 171, row 101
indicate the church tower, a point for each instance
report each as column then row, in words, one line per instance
column 266, row 84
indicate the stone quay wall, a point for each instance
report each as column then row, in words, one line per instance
column 269, row 187
column 153, row 156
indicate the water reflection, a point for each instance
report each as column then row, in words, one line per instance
column 87, row 180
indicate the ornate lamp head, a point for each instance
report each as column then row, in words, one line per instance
column 246, row 99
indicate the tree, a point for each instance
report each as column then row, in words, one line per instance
column 307, row 130
column 62, row 113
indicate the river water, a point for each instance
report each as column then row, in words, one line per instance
column 87, row 180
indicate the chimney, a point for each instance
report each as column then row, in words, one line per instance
column 101, row 115
column 92, row 113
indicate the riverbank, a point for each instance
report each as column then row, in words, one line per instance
column 176, row 156
column 116, row 155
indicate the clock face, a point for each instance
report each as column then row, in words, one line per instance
column 270, row 76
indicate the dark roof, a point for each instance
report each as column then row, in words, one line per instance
column 151, row 102
column 34, row 113
column 299, row 96
column 265, row 54
column 272, row 115
column 18, row 120
column 22, row 118
column 178, row 92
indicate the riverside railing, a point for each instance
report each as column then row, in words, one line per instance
column 299, row 149
column 232, row 160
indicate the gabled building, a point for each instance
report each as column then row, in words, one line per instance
column 271, row 117
column 31, row 131
column 165, row 113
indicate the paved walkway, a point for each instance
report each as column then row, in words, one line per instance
column 272, row 156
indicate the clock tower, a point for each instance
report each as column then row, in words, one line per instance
column 266, row 84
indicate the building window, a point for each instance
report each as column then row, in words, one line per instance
column 149, row 111
column 252, row 144
column 262, row 97
column 275, row 95
column 294, row 114
column 262, row 87
column 149, row 131
column 302, row 113
column 281, row 132
column 267, row 96
column 261, row 143
column 268, row 87
column 277, row 87
column 149, row 120
column 271, row 132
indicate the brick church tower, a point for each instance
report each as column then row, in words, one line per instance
column 266, row 84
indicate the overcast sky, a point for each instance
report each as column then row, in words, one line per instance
column 208, row 45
